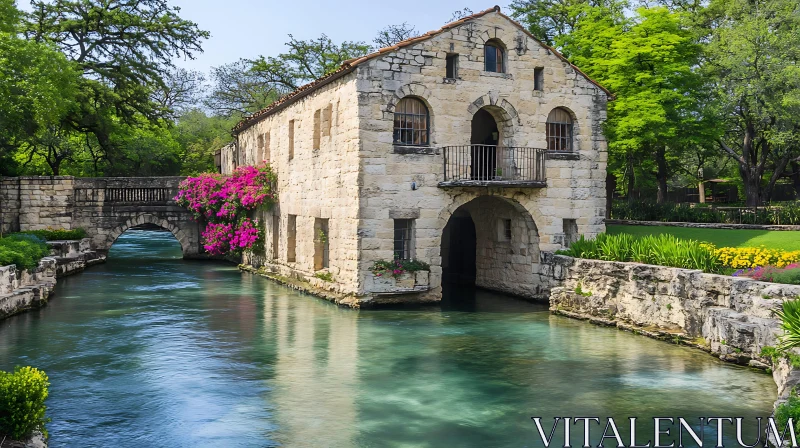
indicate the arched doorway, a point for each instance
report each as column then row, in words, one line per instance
column 491, row 242
column 484, row 138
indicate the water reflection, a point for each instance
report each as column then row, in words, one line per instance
column 152, row 350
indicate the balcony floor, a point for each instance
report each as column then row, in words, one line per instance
column 494, row 183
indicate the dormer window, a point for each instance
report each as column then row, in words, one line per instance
column 494, row 57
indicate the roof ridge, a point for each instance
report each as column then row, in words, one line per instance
column 350, row 65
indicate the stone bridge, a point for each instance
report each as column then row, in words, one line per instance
column 104, row 206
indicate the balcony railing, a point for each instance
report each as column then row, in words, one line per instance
column 486, row 165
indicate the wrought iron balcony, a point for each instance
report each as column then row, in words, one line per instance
column 490, row 165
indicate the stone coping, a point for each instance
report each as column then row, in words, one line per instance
column 704, row 225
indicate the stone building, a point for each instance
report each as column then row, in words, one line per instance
column 473, row 148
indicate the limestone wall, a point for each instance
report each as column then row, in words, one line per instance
column 21, row 290
column 316, row 162
column 731, row 317
column 36, row 202
column 575, row 182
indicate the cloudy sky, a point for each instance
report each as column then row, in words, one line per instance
column 248, row 28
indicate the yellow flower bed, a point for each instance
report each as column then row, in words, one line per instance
column 751, row 257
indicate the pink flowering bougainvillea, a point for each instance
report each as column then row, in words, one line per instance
column 224, row 202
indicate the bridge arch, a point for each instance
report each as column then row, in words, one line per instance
column 147, row 218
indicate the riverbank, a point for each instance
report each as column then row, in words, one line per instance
column 22, row 290
column 731, row 318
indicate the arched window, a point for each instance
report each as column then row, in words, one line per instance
column 411, row 122
column 494, row 57
column 559, row 130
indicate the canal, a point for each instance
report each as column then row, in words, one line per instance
column 151, row 350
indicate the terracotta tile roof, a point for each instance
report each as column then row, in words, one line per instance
column 349, row 65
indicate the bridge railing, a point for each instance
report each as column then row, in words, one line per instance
column 137, row 195
column 151, row 196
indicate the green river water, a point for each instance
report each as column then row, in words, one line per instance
column 150, row 350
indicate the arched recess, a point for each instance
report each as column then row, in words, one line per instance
column 146, row 218
column 506, row 245
column 504, row 113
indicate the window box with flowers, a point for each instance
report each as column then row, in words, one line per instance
column 399, row 275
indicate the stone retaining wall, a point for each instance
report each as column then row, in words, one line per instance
column 22, row 290
column 729, row 317
column 703, row 225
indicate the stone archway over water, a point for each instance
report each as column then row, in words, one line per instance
column 144, row 219
column 493, row 243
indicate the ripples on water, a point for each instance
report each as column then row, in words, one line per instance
column 151, row 350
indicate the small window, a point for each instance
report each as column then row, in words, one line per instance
column 317, row 128
column 291, row 238
column 507, row 229
column 321, row 244
column 327, row 114
column 494, row 57
column 538, row 78
column 403, row 231
column 452, row 66
column 559, row 130
column 260, row 151
column 265, row 154
column 291, row 139
column 570, row 232
column 276, row 225
column 411, row 122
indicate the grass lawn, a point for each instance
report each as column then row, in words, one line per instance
column 770, row 239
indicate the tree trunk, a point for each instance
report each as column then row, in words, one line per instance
column 631, row 179
column 661, row 174
column 611, row 186
column 796, row 179
column 752, row 187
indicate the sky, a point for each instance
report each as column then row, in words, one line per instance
column 249, row 28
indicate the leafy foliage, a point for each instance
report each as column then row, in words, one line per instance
column 224, row 202
column 788, row 214
column 22, row 397
column 789, row 314
column 396, row 268
column 50, row 234
column 663, row 250
column 22, row 250
column 393, row 34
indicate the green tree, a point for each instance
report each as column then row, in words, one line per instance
column 393, row 34
column 37, row 87
column 123, row 49
column 199, row 136
column 649, row 61
column 551, row 20
column 305, row 61
column 237, row 90
column 753, row 54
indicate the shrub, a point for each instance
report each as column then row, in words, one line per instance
column 789, row 314
column 786, row 410
column 24, row 251
column 22, row 396
column 670, row 212
column 224, row 202
column 789, row 275
column 664, row 250
column 327, row 276
column 397, row 268
column 56, row 234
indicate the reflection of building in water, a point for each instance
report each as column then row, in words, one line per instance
column 313, row 397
